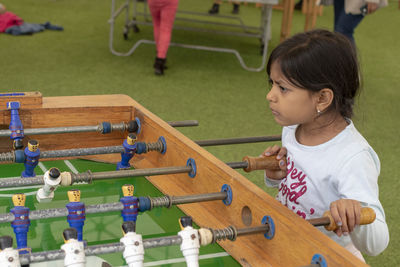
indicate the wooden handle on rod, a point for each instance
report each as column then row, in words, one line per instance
column 367, row 216
column 261, row 163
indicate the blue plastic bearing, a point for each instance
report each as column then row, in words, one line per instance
column 107, row 128
column 140, row 147
column 19, row 156
column 320, row 260
column 162, row 139
column 192, row 163
column 144, row 204
column 229, row 197
column 139, row 126
column 271, row 232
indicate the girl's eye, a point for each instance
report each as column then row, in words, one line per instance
column 283, row 89
column 270, row 81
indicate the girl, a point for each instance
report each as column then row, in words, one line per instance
column 163, row 14
column 325, row 162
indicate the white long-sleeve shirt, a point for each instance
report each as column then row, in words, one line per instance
column 344, row 167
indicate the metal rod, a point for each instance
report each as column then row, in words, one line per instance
column 234, row 33
column 41, row 256
column 239, row 140
column 93, row 128
column 141, row 172
column 62, row 212
column 168, row 201
column 48, row 213
column 253, row 230
column 98, row 249
column 88, row 177
column 9, row 156
column 176, row 200
column 186, row 123
column 119, row 247
column 104, row 249
column 78, row 152
column 55, row 130
column 106, row 207
column 116, row 206
column 81, row 152
column 238, row 165
column 162, row 242
column 322, row 221
column 18, row 182
column 240, row 21
column 7, row 217
column 231, row 232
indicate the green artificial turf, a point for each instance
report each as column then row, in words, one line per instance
column 206, row 86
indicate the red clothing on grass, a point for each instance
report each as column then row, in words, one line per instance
column 163, row 13
column 9, row 19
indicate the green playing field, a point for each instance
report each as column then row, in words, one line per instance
column 101, row 228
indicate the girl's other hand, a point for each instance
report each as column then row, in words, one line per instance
column 347, row 215
column 280, row 153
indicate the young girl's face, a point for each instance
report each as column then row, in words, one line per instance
column 289, row 104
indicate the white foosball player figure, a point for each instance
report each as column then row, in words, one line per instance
column 74, row 249
column 52, row 179
column 190, row 242
column 134, row 250
column 9, row 257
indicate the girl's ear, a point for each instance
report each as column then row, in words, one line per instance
column 324, row 99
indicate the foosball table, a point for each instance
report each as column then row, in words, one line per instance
column 102, row 180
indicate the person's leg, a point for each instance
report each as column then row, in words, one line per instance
column 215, row 7
column 167, row 22
column 155, row 10
column 167, row 17
column 236, row 6
column 345, row 23
column 155, row 7
column 298, row 5
column 338, row 9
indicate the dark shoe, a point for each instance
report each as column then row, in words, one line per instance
column 214, row 9
column 298, row 5
column 159, row 66
column 165, row 64
column 235, row 9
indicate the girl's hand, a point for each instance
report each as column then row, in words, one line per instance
column 280, row 153
column 347, row 215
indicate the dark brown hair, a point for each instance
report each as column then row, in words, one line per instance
column 321, row 59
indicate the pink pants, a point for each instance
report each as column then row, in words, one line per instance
column 163, row 13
